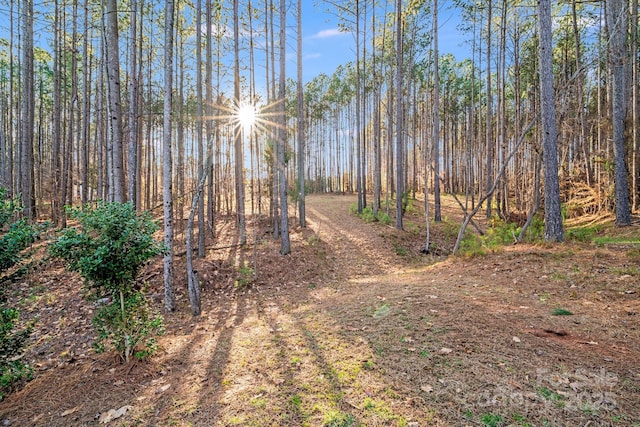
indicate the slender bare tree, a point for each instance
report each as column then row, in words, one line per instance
column 28, row 106
column 167, row 172
column 301, row 129
column 285, row 244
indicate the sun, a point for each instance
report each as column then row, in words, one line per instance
column 246, row 116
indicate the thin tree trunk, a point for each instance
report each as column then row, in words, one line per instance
column 133, row 105
column 28, row 118
column 285, row 244
column 437, row 214
column 399, row 120
column 301, row 126
column 167, row 173
column 238, row 145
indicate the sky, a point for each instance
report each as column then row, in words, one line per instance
column 325, row 47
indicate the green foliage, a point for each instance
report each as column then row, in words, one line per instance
column 615, row 240
column 501, row 233
column 130, row 332
column 407, row 203
column 245, row 277
column 12, row 244
column 12, row 343
column 582, row 234
column 368, row 216
column 383, row 218
column 552, row 396
column 492, row 420
column 17, row 236
column 8, row 207
column 294, row 191
column 109, row 248
column 336, row 418
column 561, row 312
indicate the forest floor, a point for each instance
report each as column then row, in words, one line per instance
column 355, row 327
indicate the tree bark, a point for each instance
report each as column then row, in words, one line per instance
column 301, row 126
column 115, row 103
column 167, row 172
column 238, row 145
column 285, row 244
column 552, row 214
column 616, row 14
column 28, row 107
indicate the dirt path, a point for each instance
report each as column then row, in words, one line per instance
column 356, row 250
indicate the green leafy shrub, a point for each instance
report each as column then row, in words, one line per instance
column 12, row 342
column 109, row 248
column 383, row 218
column 15, row 237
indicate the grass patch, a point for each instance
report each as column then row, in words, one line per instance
column 245, row 277
column 382, row 311
column 335, row 418
column 551, row 396
column 582, row 234
column 561, row 312
column 616, row 240
column 492, row 420
column 400, row 250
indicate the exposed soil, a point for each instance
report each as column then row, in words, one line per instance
column 355, row 327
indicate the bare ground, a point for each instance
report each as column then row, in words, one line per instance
column 355, row 327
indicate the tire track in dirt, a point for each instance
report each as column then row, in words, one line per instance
column 356, row 251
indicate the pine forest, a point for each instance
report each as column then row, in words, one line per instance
column 331, row 213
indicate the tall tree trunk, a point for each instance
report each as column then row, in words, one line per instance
column 133, row 105
column 28, row 119
column 238, row 145
column 86, row 107
column 199, row 124
column 552, row 215
column 616, row 14
column 489, row 114
column 115, row 103
column 167, row 172
column 399, row 120
column 437, row 214
column 57, row 203
column 285, row 244
column 301, row 126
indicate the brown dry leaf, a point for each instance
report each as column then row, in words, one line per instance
column 113, row 414
column 426, row 388
column 70, row 411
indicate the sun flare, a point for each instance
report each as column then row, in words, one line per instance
column 246, row 116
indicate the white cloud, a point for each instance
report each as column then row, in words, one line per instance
column 332, row 32
column 312, row 56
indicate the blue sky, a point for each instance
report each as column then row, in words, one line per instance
column 324, row 47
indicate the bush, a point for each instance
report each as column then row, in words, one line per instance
column 14, row 239
column 110, row 247
column 19, row 234
column 12, row 342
